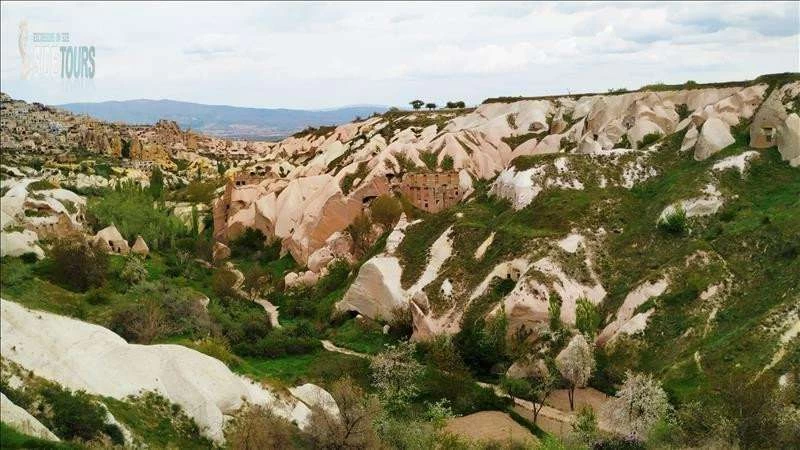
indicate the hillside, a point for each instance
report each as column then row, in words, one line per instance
column 434, row 269
column 230, row 122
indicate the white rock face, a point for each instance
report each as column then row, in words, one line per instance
column 481, row 250
column 706, row 205
column 518, row 187
column 20, row 420
column 571, row 243
column 739, row 162
column 636, row 297
column 83, row 356
column 439, row 252
column 18, row 243
column 714, row 136
column 376, row 291
column 789, row 140
column 313, row 395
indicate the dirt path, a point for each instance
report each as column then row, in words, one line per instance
column 555, row 417
column 329, row 346
column 489, row 425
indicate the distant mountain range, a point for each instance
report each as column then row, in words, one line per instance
column 219, row 120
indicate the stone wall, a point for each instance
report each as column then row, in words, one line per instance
column 431, row 192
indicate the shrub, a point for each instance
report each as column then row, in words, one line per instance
column 648, row 139
column 460, row 391
column 587, row 319
column 141, row 323
column 683, row 111
column 481, row 342
column 338, row 271
column 222, row 281
column 217, row 347
column 401, row 326
column 73, row 415
column 29, row 258
column 78, row 263
column 395, row 373
column 157, row 183
column 447, row 162
column 240, row 321
column 162, row 310
column 97, row 297
column 360, row 230
column 134, row 271
column 278, row 344
column 429, row 158
column 258, row 427
column 386, row 210
column 674, row 222
column 354, row 428
column 41, row 185
column 250, row 241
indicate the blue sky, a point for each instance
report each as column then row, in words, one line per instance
column 322, row 55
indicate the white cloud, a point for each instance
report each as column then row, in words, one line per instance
column 329, row 54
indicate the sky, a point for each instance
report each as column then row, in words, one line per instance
column 324, row 55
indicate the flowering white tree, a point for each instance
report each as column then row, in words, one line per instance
column 395, row 373
column 638, row 405
column 576, row 363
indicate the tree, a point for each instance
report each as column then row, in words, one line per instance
column 416, row 104
column 360, row 231
column 587, row 319
column 259, row 428
column 576, row 363
column 395, row 373
column 430, row 106
column 222, row 283
column 256, row 281
column 78, row 263
column 554, row 311
column 125, row 152
column 386, row 210
column 639, row 405
column 455, row 105
column 354, row 427
column 585, row 425
column 141, row 322
column 157, row 183
column 534, row 389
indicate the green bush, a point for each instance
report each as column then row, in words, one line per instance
column 29, row 258
column 250, row 241
column 386, row 210
column 277, row 344
column 587, row 318
column 41, row 185
column 447, row 162
column 429, row 158
column 74, row 415
column 241, row 322
column 460, row 391
column 78, row 263
column 648, row 139
column 674, row 222
column 134, row 271
column 97, row 297
column 481, row 343
column 11, row 438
